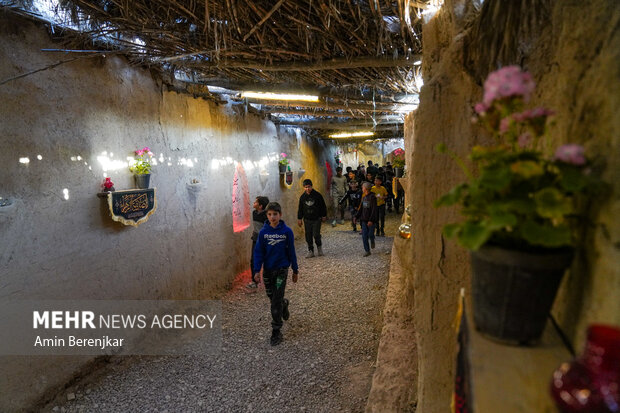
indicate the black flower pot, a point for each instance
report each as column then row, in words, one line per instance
column 513, row 291
column 281, row 168
column 142, row 181
column 398, row 172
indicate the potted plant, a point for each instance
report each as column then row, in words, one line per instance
column 521, row 211
column 283, row 163
column 142, row 167
column 337, row 158
column 398, row 162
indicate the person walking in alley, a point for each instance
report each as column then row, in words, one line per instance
column 354, row 196
column 381, row 193
column 367, row 214
column 338, row 190
column 312, row 210
column 259, row 217
column 372, row 170
column 275, row 252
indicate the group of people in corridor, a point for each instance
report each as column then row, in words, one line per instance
column 273, row 246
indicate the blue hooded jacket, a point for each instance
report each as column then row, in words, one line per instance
column 275, row 248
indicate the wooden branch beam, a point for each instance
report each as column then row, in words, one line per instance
column 378, row 107
column 341, row 126
column 332, row 64
column 324, row 124
column 350, row 93
column 315, row 113
column 263, row 20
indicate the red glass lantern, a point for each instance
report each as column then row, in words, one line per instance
column 591, row 383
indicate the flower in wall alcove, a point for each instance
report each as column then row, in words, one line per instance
column 283, row 159
column 142, row 164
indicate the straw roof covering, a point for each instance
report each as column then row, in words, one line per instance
column 359, row 56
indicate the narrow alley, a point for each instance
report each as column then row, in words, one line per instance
column 325, row 363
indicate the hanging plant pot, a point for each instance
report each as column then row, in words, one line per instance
column 282, row 168
column 513, row 291
column 398, row 172
column 142, row 181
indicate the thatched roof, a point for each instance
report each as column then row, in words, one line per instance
column 359, row 56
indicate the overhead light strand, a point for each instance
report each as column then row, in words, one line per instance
column 352, row 134
column 279, row 96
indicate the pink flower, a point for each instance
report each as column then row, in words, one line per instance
column 481, row 108
column 507, row 82
column 283, row 155
column 146, row 149
column 504, row 125
column 140, row 152
column 524, row 140
column 571, row 153
column 150, row 153
column 533, row 113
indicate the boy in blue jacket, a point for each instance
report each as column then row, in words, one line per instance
column 275, row 252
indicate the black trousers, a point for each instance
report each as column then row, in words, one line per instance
column 275, row 283
column 313, row 232
column 381, row 224
column 353, row 211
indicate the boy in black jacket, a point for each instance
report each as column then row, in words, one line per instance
column 275, row 252
column 313, row 211
column 259, row 217
column 367, row 215
column 354, row 196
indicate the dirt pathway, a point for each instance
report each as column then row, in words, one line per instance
column 325, row 363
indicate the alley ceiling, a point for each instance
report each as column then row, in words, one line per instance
column 361, row 57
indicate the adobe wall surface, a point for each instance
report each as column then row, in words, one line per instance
column 574, row 61
column 84, row 118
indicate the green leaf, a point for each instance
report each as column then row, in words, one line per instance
column 546, row 235
column 451, row 230
column 473, row 235
column 451, row 197
column 500, row 220
column 442, row 148
column 527, row 169
column 571, row 178
column 520, row 206
column 550, row 203
column 495, row 176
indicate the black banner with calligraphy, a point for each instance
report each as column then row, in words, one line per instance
column 132, row 207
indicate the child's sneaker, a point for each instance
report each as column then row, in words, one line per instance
column 310, row 254
column 333, row 223
column 252, row 285
column 285, row 312
column 367, row 254
column 276, row 337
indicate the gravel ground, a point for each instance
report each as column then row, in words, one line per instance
column 324, row 364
